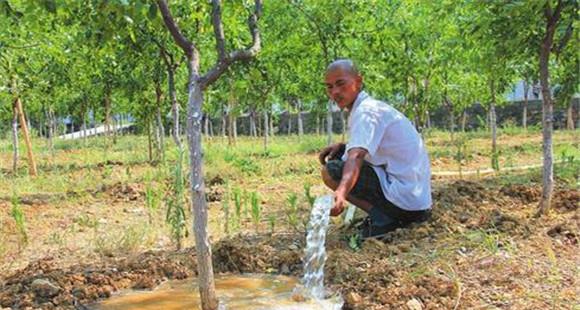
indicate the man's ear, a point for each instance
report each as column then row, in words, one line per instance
column 359, row 81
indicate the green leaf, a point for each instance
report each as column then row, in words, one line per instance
column 152, row 14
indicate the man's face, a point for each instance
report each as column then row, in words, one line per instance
column 343, row 87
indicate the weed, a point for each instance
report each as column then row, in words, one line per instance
column 272, row 223
column 256, row 209
column 20, row 220
column 247, row 166
column 308, row 194
column 84, row 220
column 238, row 204
column 354, row 242
column 152, row 198
column 175, row 201
column 226, row 210
column 292, row 215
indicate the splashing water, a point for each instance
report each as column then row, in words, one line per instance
column 315, row 252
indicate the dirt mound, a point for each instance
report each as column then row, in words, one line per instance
column 566, row 199
column 526, row 194
column 123, row 192
column 42, row 284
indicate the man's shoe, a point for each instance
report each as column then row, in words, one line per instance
column 368, row 230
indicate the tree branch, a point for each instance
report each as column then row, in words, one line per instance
column 222, row 64
column 216, row 20
column 187, row 46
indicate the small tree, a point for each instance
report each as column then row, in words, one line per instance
column 197, row 84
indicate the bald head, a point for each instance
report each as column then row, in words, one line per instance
column 346, row 65
column 343, row 82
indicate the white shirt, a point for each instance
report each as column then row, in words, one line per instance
column 395, row 151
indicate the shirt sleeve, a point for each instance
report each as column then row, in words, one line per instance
column 366, row 132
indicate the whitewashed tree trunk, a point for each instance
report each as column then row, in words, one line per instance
column 300, row 120
column 493, row 127
column 265, row 132
column 329, row 123
column 570, row 115
column 525, row 108
column 198, row 202
column 552, row 18
column 289, row 123
column 253, row 130
column 224, row 124
column 176, row 132
column 317, row 125
column 15, row 143
column 51, row 129
column 235, row 127
column 464, row 120
column 206, row 126
column 160, row 131
column 271, row 122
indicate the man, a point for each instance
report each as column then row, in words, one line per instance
column 384, row 168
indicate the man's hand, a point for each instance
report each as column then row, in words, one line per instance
column 331, row 152
column 339, row 204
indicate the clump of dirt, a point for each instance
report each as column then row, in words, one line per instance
column 214, row 193
column 565, row 232
column 242, row 253
column 216, row 180
column 526, row 194
column 110, row 163
column 123, row 192
column 566, row 199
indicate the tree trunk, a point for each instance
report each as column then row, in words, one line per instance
column 300, row 121
column 206, row 126
column 160, row 132
column 493, row 126
column 272, row 132
column 107, row 102
column 570, row 115
column 50, row 131
column 84, row 124
column 174, row 108
column 231, row 129
column 547, row 113
column 15, row 143
column 253, row 130
column 31, row 163
column 289, row 123
column 317, row 125
column 266, row 127
column 235, row 127
column 525, row 108
column 198, row 202
column 329, row 123
column 464, row 120
column 149, row 141
column 224, row 124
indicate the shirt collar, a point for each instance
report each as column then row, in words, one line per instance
column 362, row 95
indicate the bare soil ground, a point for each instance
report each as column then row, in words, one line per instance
column 481, row 249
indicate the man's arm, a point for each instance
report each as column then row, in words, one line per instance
column 350, row 174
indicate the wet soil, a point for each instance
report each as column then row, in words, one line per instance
column 481, row 249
